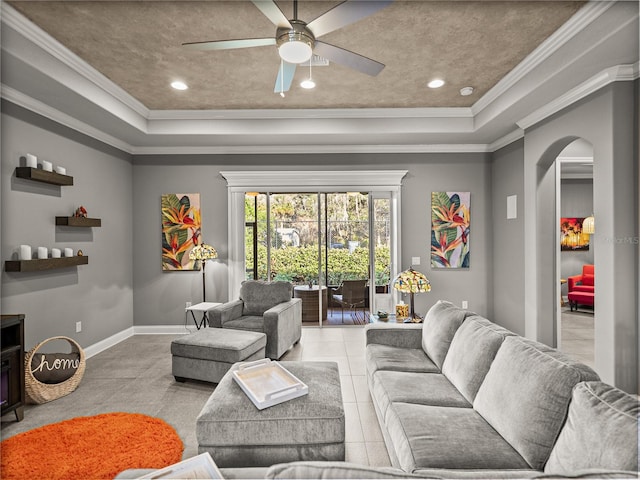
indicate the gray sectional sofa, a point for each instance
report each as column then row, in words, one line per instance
column 461, row 397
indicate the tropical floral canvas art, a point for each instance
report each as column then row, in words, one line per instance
column 571, row 236
column 181, row 230
column 450, row 229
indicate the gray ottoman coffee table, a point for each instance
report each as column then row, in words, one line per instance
column 311, row 427
column 209, row 353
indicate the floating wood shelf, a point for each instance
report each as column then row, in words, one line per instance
column 44, row 264
column 78, row 221
column 38, row 175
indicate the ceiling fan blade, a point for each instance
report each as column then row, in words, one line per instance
column 347, row 58
column 283, row 82
column 272, row 12
column 345, row 14
column 230, row 44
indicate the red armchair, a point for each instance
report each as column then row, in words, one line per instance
column 582, row 287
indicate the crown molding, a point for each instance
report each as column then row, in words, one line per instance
column 14, row 19
column 595, row 83
column 326, row 113
column 575, row 159
column 310, row 149
column 506, row 140
column 582, row 18
column 36, row 106
column 337, row 178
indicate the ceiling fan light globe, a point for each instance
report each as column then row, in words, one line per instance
column 295, row 51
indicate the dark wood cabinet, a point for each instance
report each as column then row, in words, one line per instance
column 12, row 395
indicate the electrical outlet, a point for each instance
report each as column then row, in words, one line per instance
column 415, row 260
column 78, row 327
column 465, row 304
column 187, row 304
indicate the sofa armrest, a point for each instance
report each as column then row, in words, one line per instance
column 221, row 314
column 283, row 312
column 283, row 326
column 572, row 281
column 395, row 335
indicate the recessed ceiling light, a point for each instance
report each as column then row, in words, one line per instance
column 466, row 91
column 308, row 83
column 437, row 83
column 178, row 85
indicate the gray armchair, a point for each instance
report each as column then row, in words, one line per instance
column 265, row 307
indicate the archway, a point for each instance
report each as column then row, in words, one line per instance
column 574, row 252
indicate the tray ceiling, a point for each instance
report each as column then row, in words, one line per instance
column 137, row 44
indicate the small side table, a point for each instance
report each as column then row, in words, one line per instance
column 203, row 307
column 391, row 318
column 562, row 282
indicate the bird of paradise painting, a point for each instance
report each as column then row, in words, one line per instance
column 450, row 229
column 181, row 230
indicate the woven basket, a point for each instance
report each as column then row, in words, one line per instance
column 38, row 392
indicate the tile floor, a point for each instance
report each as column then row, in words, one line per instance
column 135, row 376
column 577, row 335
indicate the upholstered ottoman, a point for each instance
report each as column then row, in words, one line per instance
column 580, row 298
column 236, row 434
column 209, row 353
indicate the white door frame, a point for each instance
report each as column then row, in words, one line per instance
column 303, row 181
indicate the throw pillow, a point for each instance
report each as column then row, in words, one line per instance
column 54, row 368
column 600, row 432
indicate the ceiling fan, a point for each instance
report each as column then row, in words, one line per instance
column 297, row 41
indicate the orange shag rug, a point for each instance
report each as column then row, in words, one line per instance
column 90, row 448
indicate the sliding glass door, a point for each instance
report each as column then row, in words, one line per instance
column 318, row 227
column 321, row 242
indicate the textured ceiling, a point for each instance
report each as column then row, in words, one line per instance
column 137, row 44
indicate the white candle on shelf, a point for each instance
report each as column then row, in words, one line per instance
column 68, row 252
column 55, row 253
column 43, row 252
column 61, row 170
column 47, row 166
column 32, row 161
column 25, row 252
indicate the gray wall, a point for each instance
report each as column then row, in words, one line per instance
column 606, row 119
column 159, row 297
column 98, row 294
column 576, row 200
column 508, row 237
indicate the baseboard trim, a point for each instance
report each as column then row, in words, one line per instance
column 164, row 329
column 109, row 342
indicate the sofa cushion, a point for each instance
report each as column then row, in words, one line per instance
column 259, row 296
column 420, row 388
column 252, row 323
column 525, row 395
column 215, row 344
column 601, row 431
column 472, row 350
column 440, row 325
column 583, row 288
column 588, row 280
column 425, row 436
column 335, row 470
column 385, row 357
